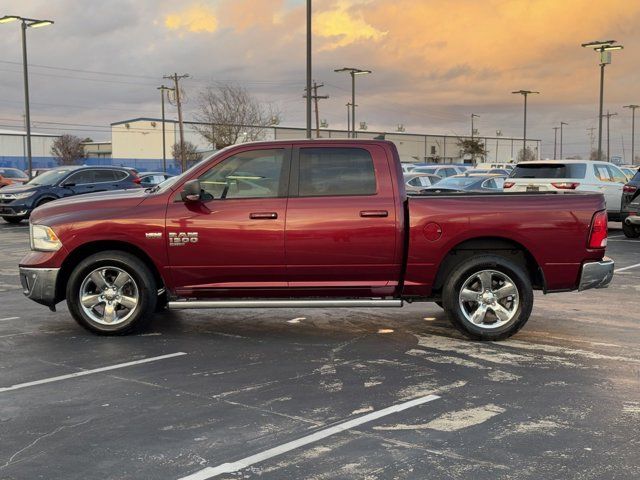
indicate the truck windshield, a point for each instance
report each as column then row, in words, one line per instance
column 50, row 178
column 549, row 170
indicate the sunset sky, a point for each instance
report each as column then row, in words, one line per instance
column 434, row 62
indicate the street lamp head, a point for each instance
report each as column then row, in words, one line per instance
column 524, row 92
column 353, row 71
column 362, row 72
column 597, row 44
column 633, row 107
column 40, row 23
column 9, row 18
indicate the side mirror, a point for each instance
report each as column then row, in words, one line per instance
column 191, row 191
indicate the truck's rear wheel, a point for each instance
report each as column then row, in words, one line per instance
column 630, row 231
column 488, row 297
column 111, row 293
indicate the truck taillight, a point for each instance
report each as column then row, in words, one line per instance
column 566, row 185
column 508, row 184
column 629, row 189
column 598, row 235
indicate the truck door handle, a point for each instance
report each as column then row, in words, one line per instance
column 263, row 216
column 374, row 213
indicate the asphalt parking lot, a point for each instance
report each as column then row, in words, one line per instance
column 285, row 394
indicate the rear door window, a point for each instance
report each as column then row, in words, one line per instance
column 602, row 173
column 549, row 170
column 102, row 176
column 335, row 171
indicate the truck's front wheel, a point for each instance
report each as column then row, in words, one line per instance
column 111, row 293
column 488, row 297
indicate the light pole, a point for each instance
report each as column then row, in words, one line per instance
column 525, row 94
column 353, row 72
column 561, row 125
column 473, row 130
column 608, row 115
column 633, row 131
column 33, row 23
column 498, row 135
column 162, row 89
column 555, row 141
column 604, row 47
column 309, row 73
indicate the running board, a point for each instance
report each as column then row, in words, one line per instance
column 202, row 304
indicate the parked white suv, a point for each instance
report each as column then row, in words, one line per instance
column 570, row 175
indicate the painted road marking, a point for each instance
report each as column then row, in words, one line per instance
column 6, row 319
column 211, row 472
column 90, row 372
column 626, row 268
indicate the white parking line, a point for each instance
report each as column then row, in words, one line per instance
column 89, row 372
column 617, row 270
column 6, row 319
column 211, row 472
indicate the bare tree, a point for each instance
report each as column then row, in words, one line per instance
column 190, row 153
column 225, row 110
column 526, row 156
column 68, row 149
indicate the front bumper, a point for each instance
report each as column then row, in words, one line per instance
column 39, row 284
column 596, row 274
column 10, row 210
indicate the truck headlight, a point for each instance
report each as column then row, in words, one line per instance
column 43, row 238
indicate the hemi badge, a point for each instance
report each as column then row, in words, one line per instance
column 153, row 235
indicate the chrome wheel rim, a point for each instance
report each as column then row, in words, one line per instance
column 109, row 296
column 489, row 299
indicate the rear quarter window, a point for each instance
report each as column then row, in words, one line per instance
column 550, row 170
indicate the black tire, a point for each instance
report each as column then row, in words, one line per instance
column 143, row 280
column 13, row 220
column 465, row 271
column 630, row 231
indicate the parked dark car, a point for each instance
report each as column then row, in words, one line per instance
column 630, row 192
column 11, row 176
column 151, row 179
column 18, row 201
column 468, row 183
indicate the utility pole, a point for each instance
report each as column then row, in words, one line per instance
column 162, row 89
column 525, row 94
column 633, row 132
column 176, row 79
column 561, row 142
column 555, row 141
column 473, row 115
column 315, row 97
column 608, row 115
column 309, row 68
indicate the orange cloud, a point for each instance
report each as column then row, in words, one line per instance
column 342, row 26
column 195, row 18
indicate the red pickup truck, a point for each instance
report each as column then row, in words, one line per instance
column 320, row 223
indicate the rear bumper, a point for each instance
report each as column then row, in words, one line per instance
column 39, row 284
column 596, row 274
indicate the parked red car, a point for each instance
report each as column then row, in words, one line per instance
column 323, row 223
column 10, row 176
